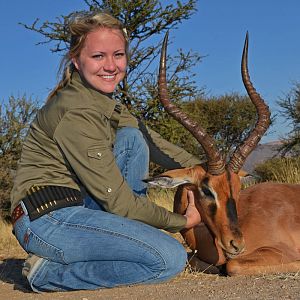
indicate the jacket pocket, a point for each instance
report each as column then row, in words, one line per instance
column 96, row 153
column 100, row 155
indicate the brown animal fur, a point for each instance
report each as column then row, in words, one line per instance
column 269, row 219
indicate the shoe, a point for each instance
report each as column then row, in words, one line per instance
column 31, row 263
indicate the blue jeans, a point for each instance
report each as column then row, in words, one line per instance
column 84, row 247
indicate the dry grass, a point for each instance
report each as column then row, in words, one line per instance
column 281, row 276
column 284, row 170
column 9, row 246
column 289, row 171
column 162, row 197
column 6, row 236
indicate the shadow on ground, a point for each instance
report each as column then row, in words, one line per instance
column 11, row 272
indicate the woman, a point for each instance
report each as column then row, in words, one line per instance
column 79, row 201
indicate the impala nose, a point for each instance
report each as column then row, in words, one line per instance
column 237, row 246
column 234, row 245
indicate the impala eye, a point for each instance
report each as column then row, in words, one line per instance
column 207, row 193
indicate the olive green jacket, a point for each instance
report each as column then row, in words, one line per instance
column 70, row 144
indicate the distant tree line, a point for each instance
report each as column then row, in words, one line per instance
column 290, row 106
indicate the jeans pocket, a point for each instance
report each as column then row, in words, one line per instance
column 36, row 245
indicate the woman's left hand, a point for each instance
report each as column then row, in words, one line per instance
column 192, row 214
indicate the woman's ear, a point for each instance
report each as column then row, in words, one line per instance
column 75, row 63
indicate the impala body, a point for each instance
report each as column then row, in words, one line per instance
column 267, row 237
column 253, row 231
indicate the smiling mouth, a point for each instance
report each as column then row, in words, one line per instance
column 108, row 77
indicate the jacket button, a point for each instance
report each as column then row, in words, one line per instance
column 99, row 154
column 109, row 190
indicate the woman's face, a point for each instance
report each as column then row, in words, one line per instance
column 102, row 61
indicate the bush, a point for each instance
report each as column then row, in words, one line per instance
column 285, row 170
column 15, row 116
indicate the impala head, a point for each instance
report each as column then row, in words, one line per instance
column 218, row 184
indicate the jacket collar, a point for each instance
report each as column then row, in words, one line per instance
column 103, row 101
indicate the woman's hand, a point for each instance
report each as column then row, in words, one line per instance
column 192, row 214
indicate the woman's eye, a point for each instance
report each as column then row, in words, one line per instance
column 120, row 54
column 97, row 56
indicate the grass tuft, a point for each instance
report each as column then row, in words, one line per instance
column 284, row 170
column 9, row 246
column 289, row 171
column 162, row 197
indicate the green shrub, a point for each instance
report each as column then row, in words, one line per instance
column 15, row 116
column 285, row 170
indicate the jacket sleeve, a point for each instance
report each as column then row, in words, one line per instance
column 166, row 154
column 83, row 137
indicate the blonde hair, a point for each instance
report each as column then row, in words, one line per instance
column 80, row 25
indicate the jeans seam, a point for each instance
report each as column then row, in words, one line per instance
column 40, row 240
column 127, row 152
column 128, row 156
column 36, row 275
column 141, row 243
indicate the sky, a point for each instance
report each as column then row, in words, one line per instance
column 216, row 31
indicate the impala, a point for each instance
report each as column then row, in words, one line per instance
column 253, row 231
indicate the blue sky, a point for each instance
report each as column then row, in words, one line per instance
column 216, row 31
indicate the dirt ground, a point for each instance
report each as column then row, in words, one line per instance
column 186, row 286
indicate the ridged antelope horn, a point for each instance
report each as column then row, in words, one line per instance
column 241, row 153
column 216, row 164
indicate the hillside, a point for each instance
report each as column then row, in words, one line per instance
column 261, row 153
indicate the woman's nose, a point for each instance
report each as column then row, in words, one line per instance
column 110, row 64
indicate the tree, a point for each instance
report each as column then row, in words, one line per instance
column 291, row 111
column 145, row 22
column 228, row 119
column 15, row 117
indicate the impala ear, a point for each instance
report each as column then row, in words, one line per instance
column 166, row 181
column 247, row 178
column 242, row 173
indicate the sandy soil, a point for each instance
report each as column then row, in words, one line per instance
column 186, row 286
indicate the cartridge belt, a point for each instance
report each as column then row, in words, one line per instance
column 41, row 200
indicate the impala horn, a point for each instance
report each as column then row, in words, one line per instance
column 216, row 163
column 263, row 122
